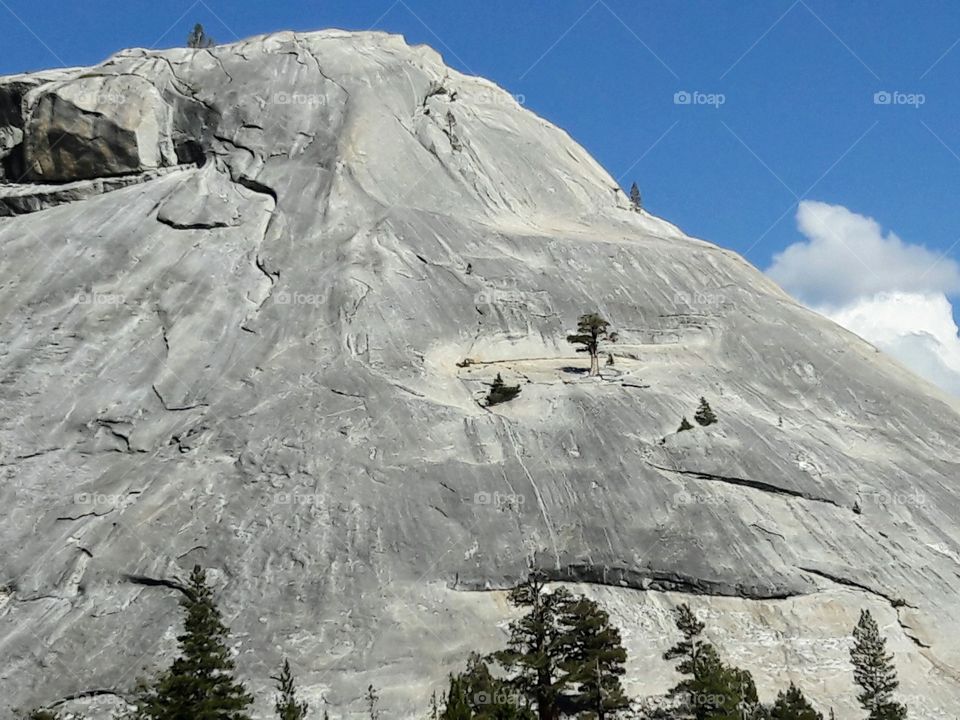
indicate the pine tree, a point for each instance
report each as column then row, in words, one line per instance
column 705, row 415
column 198, row 38
column 684, row 425
column 477, row 694
column 457, row 702
column 199, row 684
column 792, row 705
column 287, row 706
column 534, row 650
column 500, row 392
column 874, row 672
column 591, row 331
column 593, row 661
column 710, row 689
column 635, row 201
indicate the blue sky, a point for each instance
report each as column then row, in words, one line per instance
column 797, row 80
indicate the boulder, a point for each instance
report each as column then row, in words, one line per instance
column 95, row 126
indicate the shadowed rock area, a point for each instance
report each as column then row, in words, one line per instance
column 236, row 286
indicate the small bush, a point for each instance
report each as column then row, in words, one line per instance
column 705, row 415
column 500, row 392
column 684, row 425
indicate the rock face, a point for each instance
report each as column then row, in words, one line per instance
column 250, row 361
column 88, row 127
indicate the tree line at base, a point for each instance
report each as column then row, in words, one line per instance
column 563, row 659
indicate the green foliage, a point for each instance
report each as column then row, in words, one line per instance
column 286, row 705
column 684, row 425
column 635, row 201
column 705, row 415
column 534, row 649
column 476, row 693
column 792, row 705
column 592, row 330
column 500, row 392
column 564, row 657
column 592, row 661
column 874, row 672
column 198, row 38
column 710, row 690
column 199, row 684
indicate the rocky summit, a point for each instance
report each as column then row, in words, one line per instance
column 251, row 300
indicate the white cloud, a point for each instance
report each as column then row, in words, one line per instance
column 889, row 292
column 847, row 256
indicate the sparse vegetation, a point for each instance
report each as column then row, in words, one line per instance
column 592, row 331
column 792, row 705
column 635, row 200
column 198, row 38
column 705, row 415
column 500, row 392
column 373, row 703
column 684, row 425
column 564, row 658
column 873, row 671
column 287, row 706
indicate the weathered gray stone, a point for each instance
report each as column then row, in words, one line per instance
column 254, row 365
column 96, row 125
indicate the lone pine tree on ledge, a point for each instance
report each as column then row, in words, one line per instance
column 591, row 331
column 198, row 39
column 635, row 201
column 500, row 392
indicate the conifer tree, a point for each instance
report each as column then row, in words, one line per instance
column 198, row 38
column 477, row 694
column 684, row 425
column 287, row 706
column 500, row 392
column 592, row 330
column 792, row 705
column 534, row 650
column 874, row 672
column 592, row 662
column 199, row 685
column 635, row 201
column 710, row 689
column 705, row 415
